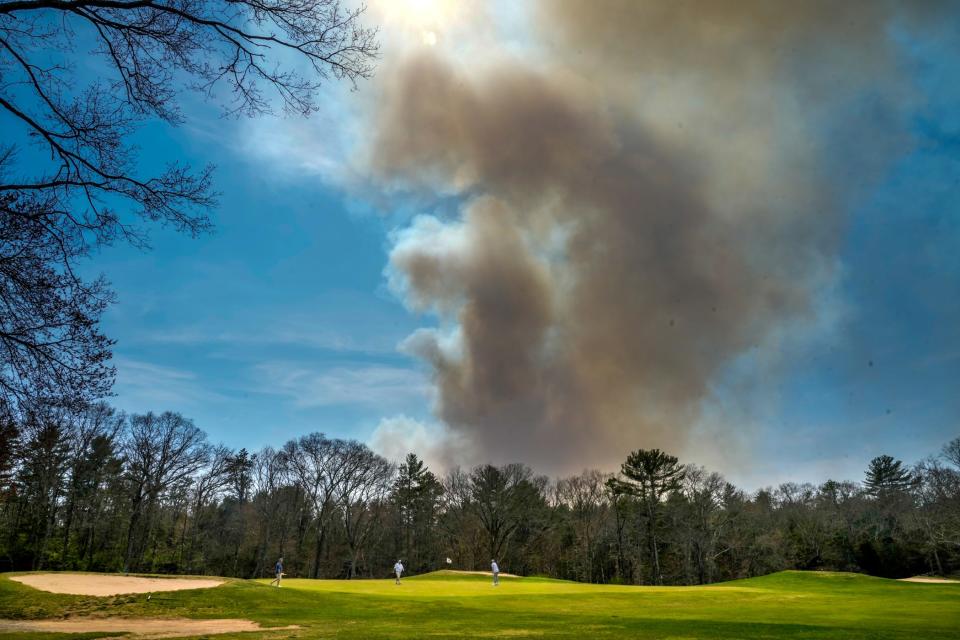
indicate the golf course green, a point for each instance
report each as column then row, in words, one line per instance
column 790, row 604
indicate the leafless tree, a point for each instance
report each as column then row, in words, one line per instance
column 51, row 349
column 162, row 452
column 269, row 474
column 503, row 497
column 586, row 497
column 951, row 452
column 703, row 520
column 70, row 179
column 938, row 508
column 366, row 486
column 315, row 463
column 208, row 485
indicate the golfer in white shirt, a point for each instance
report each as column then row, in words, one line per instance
column 398, row 569
column 496, row 572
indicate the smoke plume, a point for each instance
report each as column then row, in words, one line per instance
column 649, row 205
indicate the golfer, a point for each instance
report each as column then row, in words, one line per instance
column 496, row 572
column 278, row 569
column 398, row 569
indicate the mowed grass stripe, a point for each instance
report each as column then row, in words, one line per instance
column 445, row 605
column 831, row 600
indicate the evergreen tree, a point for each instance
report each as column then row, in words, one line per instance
column 651, row 475
column 887, row 476
column 9, row 438
column 240, row 474
column 416, row 497
column 42, row 477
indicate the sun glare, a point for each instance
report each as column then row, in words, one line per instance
column 427, row 9
column 426, row 20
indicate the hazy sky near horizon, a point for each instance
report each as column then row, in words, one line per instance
column 553, row 234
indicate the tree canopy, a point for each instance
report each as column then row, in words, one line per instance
column 887, row 476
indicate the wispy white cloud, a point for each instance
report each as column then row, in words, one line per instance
column 145, row 386
column 363, row 385
column 290, row 334
column 320, row 339
column 300, row 147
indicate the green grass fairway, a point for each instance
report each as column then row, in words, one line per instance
column 443, row 605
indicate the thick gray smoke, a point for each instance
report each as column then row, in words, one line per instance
column 638, row 214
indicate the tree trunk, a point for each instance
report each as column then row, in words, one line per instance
column 701, row 568
column 936, row 557
column 67, row 525
column 652, row 535
column 262, row 555
column 321, row 534
column 135, row 515
column 353, row 563
column 619, row 522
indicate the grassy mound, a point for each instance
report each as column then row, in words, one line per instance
column 452, row 605
column 451, row 574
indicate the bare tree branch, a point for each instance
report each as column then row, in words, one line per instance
column 84, row 189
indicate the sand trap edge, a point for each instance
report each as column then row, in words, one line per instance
column 104, row 585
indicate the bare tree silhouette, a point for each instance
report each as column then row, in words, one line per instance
column 70, row 179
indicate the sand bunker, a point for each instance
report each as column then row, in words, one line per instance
column 139, row 627
column 91, row 584
column 930, row 580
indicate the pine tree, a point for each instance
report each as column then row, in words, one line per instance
column 651, row 475
column 9, row 439
column 416, row 495
column 887, row 476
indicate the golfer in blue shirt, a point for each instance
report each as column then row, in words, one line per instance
column 278, row 569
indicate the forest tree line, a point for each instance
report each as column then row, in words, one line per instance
column 98, row 490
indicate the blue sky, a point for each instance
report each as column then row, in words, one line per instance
column 282, row 321
column 276, row 324
column 888, row 380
